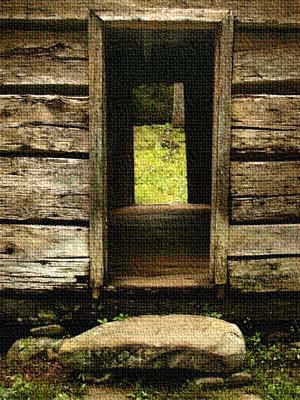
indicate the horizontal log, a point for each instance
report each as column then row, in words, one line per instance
column 266, row 112
column 44, row 123
column 266, row 57
column 265, row 275
column 279, row 209
column 259, row 144
column 43, row 57
column 282, row 11
column 274, row 178
column 44, row 188
column 264, row 240
column 164, row 272
column 41, row 243
column 46, row 275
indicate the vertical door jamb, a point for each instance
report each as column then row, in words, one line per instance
column 98, row 155
column 221, row 152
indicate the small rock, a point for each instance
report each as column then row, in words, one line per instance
column 250, row 397
column 240, row 378
column 47, row 330
column 203, row 344
column 210, row 382
column 296, row 345
column 24, row 350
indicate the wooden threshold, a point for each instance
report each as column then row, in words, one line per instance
column 164, row 272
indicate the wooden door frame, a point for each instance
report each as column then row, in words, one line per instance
column 221, row 21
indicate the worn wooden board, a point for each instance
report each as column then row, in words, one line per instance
column 164, row 272
column 44, row 124
column 262, row 144
column 265, row 275
column 266, row 56
column 40, row 242
column 266, row 112
column 281, row 12
column 44, row 275
column 279, row 209
column 44, row 188
column 262, row 178
column 43, row 57
column 264, row 240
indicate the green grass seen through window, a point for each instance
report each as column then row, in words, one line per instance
column 159, row 164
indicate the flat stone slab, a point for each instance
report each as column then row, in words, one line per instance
column 199, row 343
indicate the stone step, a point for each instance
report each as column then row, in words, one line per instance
column 198, row 343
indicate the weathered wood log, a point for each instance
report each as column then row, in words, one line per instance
column 44, row 123
column 265, row 275
column 280, row 209
column 266, row 111
column 266, row 57
column 44, row 188
column 259, row 144
column 38, row 242
column 44, row 275
column 264, row 240
column 262, row 178
column 163, row 272
column 43, row 57
column 282, row 12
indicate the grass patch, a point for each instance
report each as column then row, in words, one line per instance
column 160, row 164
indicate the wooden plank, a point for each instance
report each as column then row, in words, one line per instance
column 164, row 272
column 260, row 178
column 282, row 11
column 261, row 144
column 38, row 243
column 163, row 18
column 98, row 156
column 271, row 209
column 44, row 188
column 44, row 275
column 266, row 112
column 221, row 153
column 44, row 110
column 266, row 56
column 43, row 57
column 265, row 275
column 44, row 123
column 264, row 240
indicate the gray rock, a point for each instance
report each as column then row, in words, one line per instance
column 210, row 382
column 199, row 343
column 25, row 350
column 47, row 330
column 240, row 378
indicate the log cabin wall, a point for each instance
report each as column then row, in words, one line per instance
column 44, row 145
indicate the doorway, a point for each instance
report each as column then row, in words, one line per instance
column 164, row 245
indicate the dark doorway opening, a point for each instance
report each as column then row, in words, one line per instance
column 159, row 244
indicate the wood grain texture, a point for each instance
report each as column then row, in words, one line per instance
column 262, row 144
column 265, row 275
column 260, row 178
column 281, row 12
column 43, row 57
column 44, row 275
column 265, row 191
column 269, row 209
column 44, row 123
column 266, row 56
column 98, row 156
column 276, row 112
column 264, row 240
column 44, row 188
column 36, row 257
column 38, row 242
column 221, row 152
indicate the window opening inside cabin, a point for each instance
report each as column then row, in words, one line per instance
column 160, row 168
